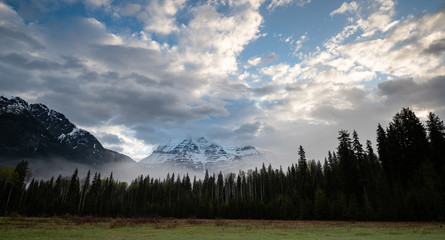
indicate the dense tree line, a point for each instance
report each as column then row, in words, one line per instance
column 406, row 181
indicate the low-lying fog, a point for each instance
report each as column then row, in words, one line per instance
column 47, row 168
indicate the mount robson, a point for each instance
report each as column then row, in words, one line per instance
column 53, row 145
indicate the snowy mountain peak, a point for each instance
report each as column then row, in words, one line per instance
column 14, row 106
column 35, row 128
column 198, row 153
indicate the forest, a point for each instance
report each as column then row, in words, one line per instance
column 403, row 179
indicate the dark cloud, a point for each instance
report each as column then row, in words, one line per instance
column 397, row 87
column 143, row 80
column 29, row 63
column 150, row 134
column 270, row 58
column 437, row 47
column 248, row 128
column 265, row 90
column 12, row 39
column 109, row 138
column 118, row 57
column 293, row 88
column 72, row 62
column 149, row 65
column 16, row 81
column 25, row 63
column 116, row 148
column 128, row 106
column 407, row 92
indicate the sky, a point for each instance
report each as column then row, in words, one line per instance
column 274, row 74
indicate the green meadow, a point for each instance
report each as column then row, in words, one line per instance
column 159, row 228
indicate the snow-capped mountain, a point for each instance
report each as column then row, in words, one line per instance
column 200, row 154
column 34, row 131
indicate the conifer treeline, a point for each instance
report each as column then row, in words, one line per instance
column 406, row 182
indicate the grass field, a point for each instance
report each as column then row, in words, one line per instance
column 156, row 228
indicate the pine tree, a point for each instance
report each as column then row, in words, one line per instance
column 407, row 144
column 85, row 188
column 73, row 196
column 382, row 150
column 436, row 135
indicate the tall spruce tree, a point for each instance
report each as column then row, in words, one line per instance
column 73, row 196
column 382, row 150
column 407, row 144
column 436, row 135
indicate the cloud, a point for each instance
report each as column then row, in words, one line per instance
column 299, row 43
column 212, row 41
column 421, row 95
column 28, row 62
column 159, row 16
column 401, row 51
column 437, row 47
column 131, row 9
column 248, row 129
column 9, row 18
column 15, row 39
column 279, row 3
column 380, row 19
column 255, row 61
column 345, row 7
column 97, row 3
column 109, row 138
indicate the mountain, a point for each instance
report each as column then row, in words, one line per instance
column 35, row 131
column 200, row 154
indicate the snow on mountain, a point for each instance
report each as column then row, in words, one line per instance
column 199, row 154
column 15, row 106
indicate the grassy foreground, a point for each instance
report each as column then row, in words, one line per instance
column 155, row 228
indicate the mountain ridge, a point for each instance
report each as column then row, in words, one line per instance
column 199, row 154
column 34, row 131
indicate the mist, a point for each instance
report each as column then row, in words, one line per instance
column 46, row 168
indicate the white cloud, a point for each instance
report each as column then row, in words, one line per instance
column 299, row 43
column 279, row 3
column 378, row 20
column 254, row 61
column 345, row 7
column 263, row 60
column 212, row 41
column 159, row 16
column 129, row 144
column 278, row 73
column 402, row 51
column 9, row 18
column 98, row 3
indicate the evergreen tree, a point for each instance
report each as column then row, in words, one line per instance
column 85, row 188
column 407, row 145
column 73, row 196
column 436, row 136
column 382, row 149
